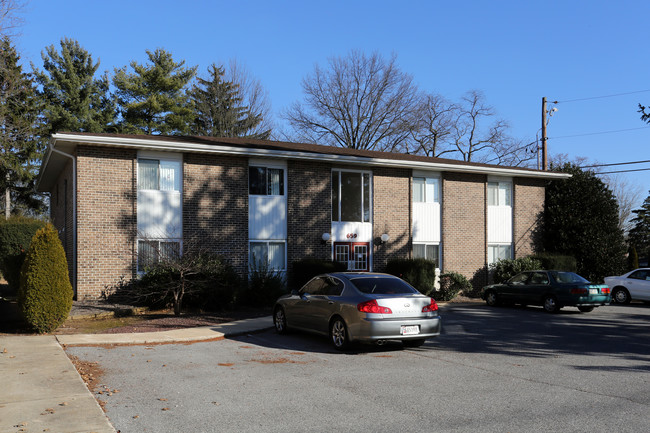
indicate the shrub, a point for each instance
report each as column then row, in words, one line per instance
column 201, row 280
column 45, row 294
column 306, row 269
column 265, row 286
column 504, row 269
column 451, row 284
column 557, row 262
column 16, row 234
column 420, row 273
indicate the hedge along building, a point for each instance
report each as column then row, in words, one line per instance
column 121, row 201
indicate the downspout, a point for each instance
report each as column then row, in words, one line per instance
column 74, row 212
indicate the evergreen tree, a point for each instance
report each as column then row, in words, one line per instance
column 581, row 220
column 75, row 101
column 219, row 110
column 20, row 131
column 639, row 235
column 152, row 99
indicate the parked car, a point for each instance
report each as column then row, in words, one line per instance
column 633, row 285
column 550, row 289
column 363, row 307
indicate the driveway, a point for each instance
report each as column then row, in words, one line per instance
column 493, row 369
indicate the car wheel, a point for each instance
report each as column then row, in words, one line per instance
column 413, row 343
column 491, row 298
column 586, row 309
column 621, row 295
column 339, row 334
column 280, row 321
column 550, row 304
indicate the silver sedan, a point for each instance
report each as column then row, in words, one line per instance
column 368, row 307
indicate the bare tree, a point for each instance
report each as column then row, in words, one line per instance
column 471, row 139
column 254, row 96
column 10, row 19
column 434, row 126
column 358, row 101
column 627, row 196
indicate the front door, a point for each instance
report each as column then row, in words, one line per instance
column 353, row 254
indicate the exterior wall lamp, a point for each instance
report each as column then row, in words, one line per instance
column 324, row 238
column 383, row 239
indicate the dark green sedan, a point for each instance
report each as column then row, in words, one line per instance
column 550, row 289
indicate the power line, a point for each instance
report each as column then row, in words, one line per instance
column 624, row 171
column 616, row 163
column 597, row 133
column 601, row 97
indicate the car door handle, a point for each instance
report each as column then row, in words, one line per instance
column 330, row 302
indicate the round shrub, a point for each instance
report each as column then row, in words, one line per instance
column 451, row 284
column 45, row 294
column 504, row 269
column 16, row 234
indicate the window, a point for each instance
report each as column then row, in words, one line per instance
column 350, row 196
column 353, row 254
column 265, row 181
column 153, row 252
column 426, row 190
column 427, row 251
column 499, row 194
column 267, row 253
column 323, row 286
column 499, row 252
column 640, row 275
column 160, row 175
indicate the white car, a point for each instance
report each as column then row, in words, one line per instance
column 633, row 285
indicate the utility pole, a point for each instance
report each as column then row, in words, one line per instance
column 544, row 160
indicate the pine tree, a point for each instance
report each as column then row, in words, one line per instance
column 75, row 101
column 639, row 235
column 219, row 110
column 152, row 99
column 20, row 130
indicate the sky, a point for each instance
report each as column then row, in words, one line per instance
column 590, row 56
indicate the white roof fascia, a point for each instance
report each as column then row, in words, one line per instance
column 176, row 146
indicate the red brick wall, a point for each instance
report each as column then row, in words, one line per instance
column 527, row 213
column 463, row 228
column 391, row 214
column 215, row 206
column 106, row 218
column 309, row 215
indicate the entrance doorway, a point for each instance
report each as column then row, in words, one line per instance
column 354, row 254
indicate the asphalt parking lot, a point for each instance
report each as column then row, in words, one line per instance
column 492, row 370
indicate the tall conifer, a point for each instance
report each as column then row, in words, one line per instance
column 20, row 129
column 219, row 108
column 152, row 99
column 75, row 100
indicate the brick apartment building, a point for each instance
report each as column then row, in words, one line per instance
column 120, row 201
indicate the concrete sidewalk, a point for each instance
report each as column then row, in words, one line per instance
column 40, row 389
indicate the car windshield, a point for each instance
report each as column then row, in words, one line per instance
column 383, row 286
column 567, row 277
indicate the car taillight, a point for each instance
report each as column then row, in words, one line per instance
column 373, row 307
column 579, row 291
column 605, row 291
column 431, row 307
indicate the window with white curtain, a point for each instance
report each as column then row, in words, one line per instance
column 426, row 190
column 267, row 253
column 154, row 174
column 265, row 181
column 427, row 251
column 499, row 194
column 499, row 252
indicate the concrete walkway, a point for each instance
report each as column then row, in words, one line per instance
column 40, row 389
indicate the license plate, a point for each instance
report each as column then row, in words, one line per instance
column 410, row 330
column 593, row 291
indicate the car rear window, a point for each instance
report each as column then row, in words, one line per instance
column 383, row 286
column 568, row 277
